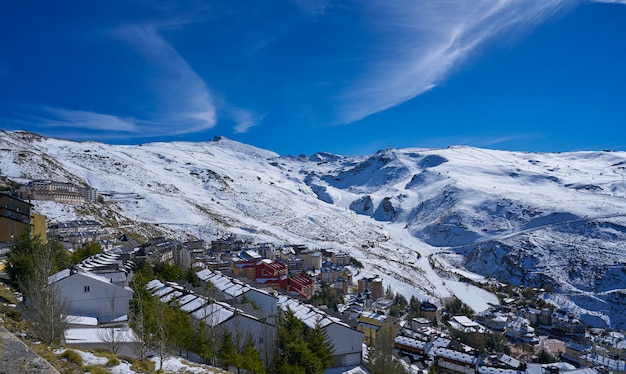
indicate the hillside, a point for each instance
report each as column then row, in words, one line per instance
column 537, row 219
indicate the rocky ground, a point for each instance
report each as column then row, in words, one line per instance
column 17, row 358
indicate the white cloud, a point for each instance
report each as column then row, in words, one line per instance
column 244, row 120
column 420, row 43
column 183, row 102
column 88, row 120
column 610, row 1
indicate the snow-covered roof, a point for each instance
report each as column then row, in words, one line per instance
column 465, row 321
column 508, row 360
column 410, row 342
column 58, row 276
column 605, row 361
column 214, row 313
column 307, row 313
column 375, row 316
column 186, row 299
column 229, row 286
column 82, row 320
column 493, row 370
column 98, row 335
column 163, row 291
column 170, row 296
column 194, row 304
column 456, row 355
column 154, row 284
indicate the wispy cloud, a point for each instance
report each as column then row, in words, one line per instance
column 180, row 101
column 420, row 43
column 610, row 1
column 183, row 101
column 313, row 7
column 76, row 124
column 55, row 117
column 490, row 140
column 244, row 120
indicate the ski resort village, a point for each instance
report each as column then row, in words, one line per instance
column 234, row 305
column 220, row 257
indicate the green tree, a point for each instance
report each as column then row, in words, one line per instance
column 455, row 306
column 192, row 278
column 27, row 250
column 203, row 345
column 84, row 252
column 301, row 349
column 545, row 357
column 400, row 301
column 414, row 307
column 21, row 260
column 227, row 355
column 327, row 296
column 380, row 359
column 169, row 272
column 320, row 345
column 389, row 292
column 180, row 330
column 250, row 359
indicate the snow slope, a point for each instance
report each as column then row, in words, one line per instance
column 538, row 219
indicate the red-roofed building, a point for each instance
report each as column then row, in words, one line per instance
column 303, row 285
column 271, row 272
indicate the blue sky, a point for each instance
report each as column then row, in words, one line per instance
column 301, row 76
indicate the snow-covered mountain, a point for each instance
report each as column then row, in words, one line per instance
column 415, row 216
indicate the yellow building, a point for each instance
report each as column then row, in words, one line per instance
column 39, row 226
column 370, row 323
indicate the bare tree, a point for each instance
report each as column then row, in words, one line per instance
column 45, row 308
column 112, row 336
column 140, row 325
column 160, row 337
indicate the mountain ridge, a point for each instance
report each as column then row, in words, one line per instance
column 536, row 219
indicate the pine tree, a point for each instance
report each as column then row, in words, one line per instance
column 301, row 349
column 227, row 354
column 202, row 344
column 23, row 260
column 250, row 359
column 320, row 345
column 380, row 359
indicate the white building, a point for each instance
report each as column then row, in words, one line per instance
column 234, row 289
column 219, row 316
column 92, row 295
column 347, row 341
column 456, row 361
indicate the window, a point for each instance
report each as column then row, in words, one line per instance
column 86, row 289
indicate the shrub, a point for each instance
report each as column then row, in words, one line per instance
column 96, row 369
column 145, row 366
column 13, row 313
column 72, row 356
column 112, row 362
